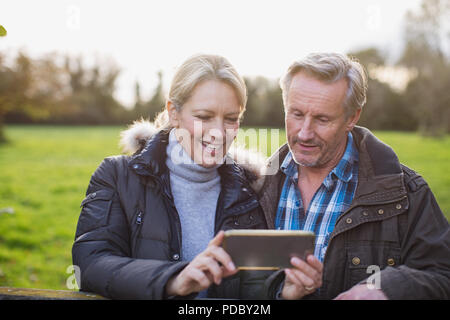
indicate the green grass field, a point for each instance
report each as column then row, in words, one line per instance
column 45, row 170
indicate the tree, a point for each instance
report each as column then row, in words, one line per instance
column 384, row 109
column 157, row 101
column 2, row 134
column 264, row 103
column 427, row 49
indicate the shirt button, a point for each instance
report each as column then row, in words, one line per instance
column 244, row 189
column 380, row 211
column 176, row 256
column 365, row 213
column 93, row 195
column 349, row 220
column 391, row 262
column 356, row 261
column 135, row 166
column 398, row 206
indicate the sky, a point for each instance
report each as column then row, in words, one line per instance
column 259, row 37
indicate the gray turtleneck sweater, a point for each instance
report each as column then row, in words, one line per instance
column 195, row 190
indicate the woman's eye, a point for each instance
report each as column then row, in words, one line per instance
column 203, row 117
column 232, row 119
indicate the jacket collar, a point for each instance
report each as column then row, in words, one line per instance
column 150, row 161
column 380, row 175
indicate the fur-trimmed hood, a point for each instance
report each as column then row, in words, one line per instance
column 136, row 136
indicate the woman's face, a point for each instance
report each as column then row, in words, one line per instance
column 208, row 122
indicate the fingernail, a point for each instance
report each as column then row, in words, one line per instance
column 231, row 266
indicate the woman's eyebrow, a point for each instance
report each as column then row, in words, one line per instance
column 235, row 113
column 202, row 110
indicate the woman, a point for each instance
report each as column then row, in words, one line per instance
column 150, row 223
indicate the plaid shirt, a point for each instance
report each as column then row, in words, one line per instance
column 333, row 197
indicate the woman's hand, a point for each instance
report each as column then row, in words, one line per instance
column 210, row 266
column 303, row 279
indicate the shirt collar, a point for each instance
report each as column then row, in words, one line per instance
column 343, row 171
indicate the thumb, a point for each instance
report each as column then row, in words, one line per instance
column 218, row 239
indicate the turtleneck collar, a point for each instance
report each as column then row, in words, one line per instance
column 182, row 165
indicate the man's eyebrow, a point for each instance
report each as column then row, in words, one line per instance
column 321, row 115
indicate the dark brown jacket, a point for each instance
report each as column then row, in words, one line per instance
column 393, row 222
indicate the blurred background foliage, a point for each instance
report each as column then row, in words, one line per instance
column 409, row 94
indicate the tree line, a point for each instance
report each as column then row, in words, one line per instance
column 56, row 89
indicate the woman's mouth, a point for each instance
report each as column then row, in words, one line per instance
column 211, row 148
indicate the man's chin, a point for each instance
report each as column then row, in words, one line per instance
column 305, row 162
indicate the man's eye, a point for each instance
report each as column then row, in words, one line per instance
column 202, row 117
column 232, row 119
column 324, row 120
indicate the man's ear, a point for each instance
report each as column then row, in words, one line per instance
column 173, row 114
column 353, row 119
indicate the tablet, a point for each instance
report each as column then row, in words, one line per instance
column 267, row 249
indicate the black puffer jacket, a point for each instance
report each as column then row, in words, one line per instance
column 128, row 238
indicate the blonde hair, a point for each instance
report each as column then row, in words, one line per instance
column 193, row 71
column 332, row 67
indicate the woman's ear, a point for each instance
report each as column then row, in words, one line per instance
column 173, row 114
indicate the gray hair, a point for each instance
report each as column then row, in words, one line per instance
column 331, row 67
column 193, row 71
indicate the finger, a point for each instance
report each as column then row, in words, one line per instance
column 305, row 268
column 303, row 278
column 223, row 257
column 315, row 263
column 200, row 279
column 227, row 273
column 212, row 266
column 292, row 279
column 218, row 239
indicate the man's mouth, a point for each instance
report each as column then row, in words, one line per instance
column 307, row 146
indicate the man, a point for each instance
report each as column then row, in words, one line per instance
column 379, row 232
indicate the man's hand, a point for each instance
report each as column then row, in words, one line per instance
column 362, row 292
column 203, row 270
column 303, row 279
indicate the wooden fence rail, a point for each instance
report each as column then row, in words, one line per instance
column 8, row 293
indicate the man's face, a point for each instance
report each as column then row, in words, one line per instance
column 316, row 122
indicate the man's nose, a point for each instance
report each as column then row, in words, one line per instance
column 306, row 131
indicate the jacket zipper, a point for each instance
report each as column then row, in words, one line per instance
column 139, row 218
column 172, row 211
column 138, row 222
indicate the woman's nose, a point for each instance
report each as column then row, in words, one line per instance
column 217, row 132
